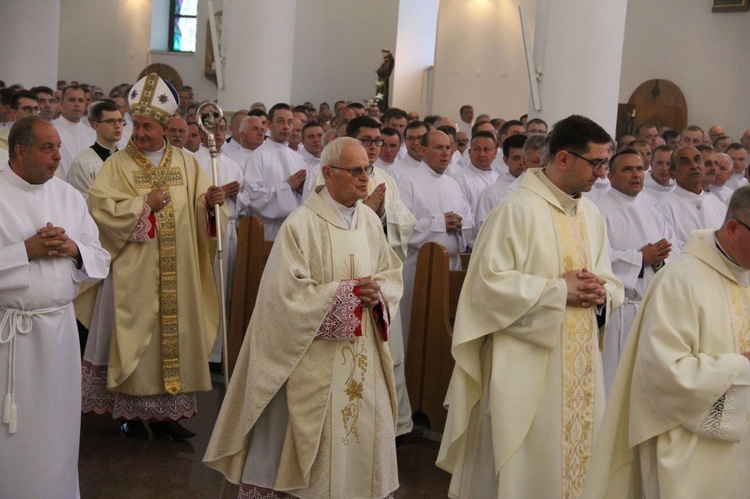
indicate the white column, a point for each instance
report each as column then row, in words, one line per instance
column 580, row 59
column 30, row 36
column 414, row 53
column 259, row 40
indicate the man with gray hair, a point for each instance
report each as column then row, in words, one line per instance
column 309, row 424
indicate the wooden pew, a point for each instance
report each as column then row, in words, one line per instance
column 252, row 254
column 429, row 363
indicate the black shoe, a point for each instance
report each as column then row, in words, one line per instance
column 172, row 430
column 134, row 429
column 409, row 438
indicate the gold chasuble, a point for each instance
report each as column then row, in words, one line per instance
column 527, row 392
column 310, row 411
column 165, row 300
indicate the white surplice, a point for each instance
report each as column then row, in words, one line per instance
column 227, row 171
column 491, row 197
column 75, row 137
column 686, row 211
column 723, row 192
column 429, row 195
column 386, row 167
column 601, row 187
column 473, row 182
column 266, row 188
column 736, row 181
column 43, row 356
column 240, row 155
column 632, row 223
column 403, row 167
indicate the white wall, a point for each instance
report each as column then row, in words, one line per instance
column 704, row 53
column 479, row 52
column 414, row 54
column 34, row 25
column 480, row 59
column 107, row 42
column 337, row 48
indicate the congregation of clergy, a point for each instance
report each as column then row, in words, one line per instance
column 473, row 185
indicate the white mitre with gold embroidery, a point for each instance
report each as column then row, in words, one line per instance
column 153, row 98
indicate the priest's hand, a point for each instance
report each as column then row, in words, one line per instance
column 231, row 190
column 51, row 242
column 453, row 222
column 158, row 199
column 369, row 291
column 297, row 180
column 215, row 196
column 376, row 200
column 655, row 253
column 585, row 289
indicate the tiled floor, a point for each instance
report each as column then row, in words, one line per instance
column 114, row 466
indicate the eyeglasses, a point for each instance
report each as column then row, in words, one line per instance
column 29, row 109
column 412, row 138
column 356, row 172
column 112, row 121
column 595, row 164
column 367, row 141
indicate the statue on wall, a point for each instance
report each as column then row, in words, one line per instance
column 384, row 74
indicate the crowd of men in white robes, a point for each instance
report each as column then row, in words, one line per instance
column 433, row 180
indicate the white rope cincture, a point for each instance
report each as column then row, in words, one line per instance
column 18, row 322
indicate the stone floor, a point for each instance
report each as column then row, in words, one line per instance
column 114, row 466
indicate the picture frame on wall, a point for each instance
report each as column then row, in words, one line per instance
column 730, row 5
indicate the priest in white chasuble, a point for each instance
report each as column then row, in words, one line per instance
column 311, row 411
column 677, row 423
column 527, row 392
column 49, row 246
column 640, row 243
column 155, row 321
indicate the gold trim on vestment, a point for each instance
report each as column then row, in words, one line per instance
column 739, row 300
column 579, row 347
column 144, row 108
column 156, row 178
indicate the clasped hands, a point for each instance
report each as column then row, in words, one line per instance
column 51, row 242
column 369, row 291
column 453, row 222
column 585, row 289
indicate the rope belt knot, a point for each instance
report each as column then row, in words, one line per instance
column 17, row 322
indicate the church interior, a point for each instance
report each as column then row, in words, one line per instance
column 448, row 53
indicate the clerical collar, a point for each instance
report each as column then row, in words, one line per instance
column 569, row 203
column 155, row 156
column 740, row 273
column 102, row 151
column 348, row 215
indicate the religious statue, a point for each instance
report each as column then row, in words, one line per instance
column 384, row 75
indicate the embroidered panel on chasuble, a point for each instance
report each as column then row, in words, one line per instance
column 154, row 178
column 579, row 347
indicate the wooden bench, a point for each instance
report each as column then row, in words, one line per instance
column 252, row 254
column 429, row 363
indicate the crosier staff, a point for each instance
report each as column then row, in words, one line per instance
column 208, row 123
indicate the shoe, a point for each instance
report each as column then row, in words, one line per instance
column 134, row 429
column 409, row 438
column 171, row 429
